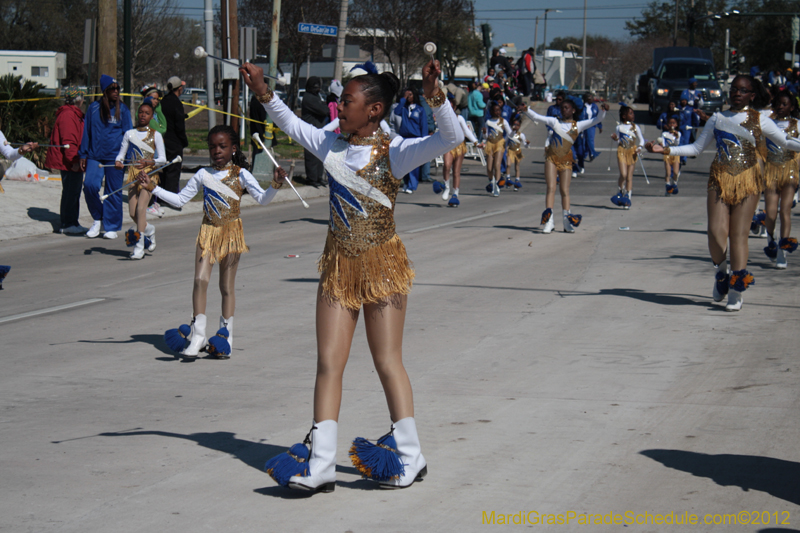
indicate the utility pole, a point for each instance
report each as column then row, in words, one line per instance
column 230, row 42
column 208, row 16
column 340, row 40
column 126, row 52
column 675, row 30
column 727, row 51
column 106, row 38
column 583, row 63
column 535, row 38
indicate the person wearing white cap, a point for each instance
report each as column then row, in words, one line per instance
column 175, row 138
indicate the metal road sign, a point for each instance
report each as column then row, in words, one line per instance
column 317, row 29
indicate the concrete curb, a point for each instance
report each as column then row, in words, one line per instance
column 30, row 208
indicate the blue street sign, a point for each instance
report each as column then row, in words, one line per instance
column 317, row 29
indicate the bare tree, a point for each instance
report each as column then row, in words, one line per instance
column 162, row 43
column 294, row 47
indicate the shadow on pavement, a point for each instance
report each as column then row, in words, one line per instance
column 701, row 258
column 156, row 341
column 302, row 280
column 43, row 214
column 106, row 251
column 320, row 221
column 773, row 476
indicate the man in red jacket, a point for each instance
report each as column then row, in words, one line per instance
column 68, row 129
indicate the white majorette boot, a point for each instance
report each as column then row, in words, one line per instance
column 547, row 221
column 446, row 191
column 228, row 324
column 150, row 233
column 321, row 460
column 138, row 249
column 198, row 336
column 740, row 280
column 408, row 448
column 722, row 280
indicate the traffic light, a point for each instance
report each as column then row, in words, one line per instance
column 733, row 59
column 487, row 35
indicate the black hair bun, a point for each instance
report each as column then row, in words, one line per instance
column 392, row 80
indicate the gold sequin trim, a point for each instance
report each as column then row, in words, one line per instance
column 266, row 97
column 437, row 99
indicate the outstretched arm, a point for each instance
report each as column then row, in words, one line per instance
column 315, row 140
column 777, row 135
column 689, row 149
column 586, row 124
column 259, row 195
column 183, row 197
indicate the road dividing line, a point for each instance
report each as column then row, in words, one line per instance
column 459, row 221
column 50, row 310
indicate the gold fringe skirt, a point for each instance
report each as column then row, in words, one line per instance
column 627, row 155
column 671, row 159
column 777, row 177
column 136, row 187
column 734, row 189
column 496, row 146
column 219, row 241
column 515, row 156
column 459, row 150
column 562, row 162
column 370, row 277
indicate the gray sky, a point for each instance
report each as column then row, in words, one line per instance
column 510, row 24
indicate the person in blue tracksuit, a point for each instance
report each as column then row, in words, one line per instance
column 689, row 120
column 414, row 124
column 591, row 111
column 425, row 169
column 105, row 124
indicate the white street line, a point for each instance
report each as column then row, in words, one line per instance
column 426, row 228
column 50, row 310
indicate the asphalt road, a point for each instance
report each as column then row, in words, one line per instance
column 585, row 373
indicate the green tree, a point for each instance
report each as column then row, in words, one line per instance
column 26, row 121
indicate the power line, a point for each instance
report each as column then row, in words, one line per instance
column 629, row 6
column 553, row 19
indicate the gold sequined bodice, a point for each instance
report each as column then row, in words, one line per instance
column 736, row 154
column 775, row 154
column 628, row 140
column 361, row 202
column 149, row 140
column 557, row 148
column 219, row 208
column 496, row 134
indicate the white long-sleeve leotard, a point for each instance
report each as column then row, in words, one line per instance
column 562, row 129
column 626, row 133
column 9, row 152
column 404, row 154
column 195, row 185
column 385, row 128
column 493, row 128
column 160, row 156
column 468, row 135
column 769, row 129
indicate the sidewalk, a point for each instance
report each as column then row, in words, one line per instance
column 30, row 208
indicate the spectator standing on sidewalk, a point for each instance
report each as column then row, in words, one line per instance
column 175, row 138
column 476, row 109
column 68, row 129
column 106, row 122
column 314, row 111
column 414, row 125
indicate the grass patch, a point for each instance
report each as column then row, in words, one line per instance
column 284, row 150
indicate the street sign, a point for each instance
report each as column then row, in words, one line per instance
column 317, row 29
column 795, row 29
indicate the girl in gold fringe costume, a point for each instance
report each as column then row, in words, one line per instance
column 454, row 159
column 146, row 146
column 629, row 144
column 494, row 132
column 364, row 264
column 672, row 163
column 735, row 182
column 562, row 133
column 221, row 238
column 781, row 174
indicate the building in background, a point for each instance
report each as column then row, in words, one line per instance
column 46, row 68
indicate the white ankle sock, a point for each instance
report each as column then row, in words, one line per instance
column 723, row 267
column 565, row 212
column 455, row 192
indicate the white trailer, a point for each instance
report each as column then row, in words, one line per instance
column 47, row 68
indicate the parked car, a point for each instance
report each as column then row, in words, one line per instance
column 190, row 92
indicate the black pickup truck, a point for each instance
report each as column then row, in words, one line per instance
column 673, row 67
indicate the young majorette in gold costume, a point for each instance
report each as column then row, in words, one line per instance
column 144, row 148
column 453, row 161
column 630, row 142
column 221, row 238
column 780, row 176
column 364, row 265
column 562, row 133
column 735, row 182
